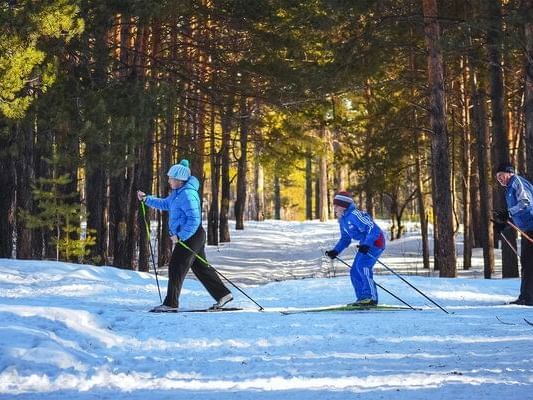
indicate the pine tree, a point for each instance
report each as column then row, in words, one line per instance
column 56, row 213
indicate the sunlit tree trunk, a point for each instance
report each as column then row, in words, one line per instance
column 467, row 167
column 308, row 187
column 323, row 177
column 445, row 251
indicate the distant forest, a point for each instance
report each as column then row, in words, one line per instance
column 276, row 103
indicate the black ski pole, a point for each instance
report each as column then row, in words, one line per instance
column 218, row 272
column 406, row 281
column 380, row 286
column 149, row 236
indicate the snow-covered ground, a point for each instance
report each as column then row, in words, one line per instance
column 81, row 332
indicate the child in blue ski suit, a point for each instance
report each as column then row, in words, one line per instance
column 358, row 225
column 185, row 225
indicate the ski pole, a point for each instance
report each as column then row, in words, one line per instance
column 218, row 272
column 149, row 236
column 379, row 286
column 406, row 281
column 507, row 241
column 520, row 231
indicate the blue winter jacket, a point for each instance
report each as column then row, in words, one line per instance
column 519, row 198
column 358, row 225
column 183, row 206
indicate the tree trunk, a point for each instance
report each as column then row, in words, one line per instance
column 95, row 184
column 528, row 106
column 420, row 196
column 277, row 197
column 445, row 251
column 483, row 146
column 467, row 167
column 96, row 171
column 7, row 194
column 317, row 193
column 242, row 166
column 225, row 191
column 144, row 178
column 369, row 198
column 323, row 178
column 25, row 178
column 308, row 187
column 118, row 212
column 164, row 242
column 132, row 213
column 421, row 201
column 213, row 215
column 259, row 179
column 500, row 142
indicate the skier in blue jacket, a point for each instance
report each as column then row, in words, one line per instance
column 519, row 199
column 358, row 225
column 185, row 225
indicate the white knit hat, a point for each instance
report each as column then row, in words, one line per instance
column 180, row 171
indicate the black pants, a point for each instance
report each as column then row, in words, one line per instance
column 526, row 258
column 182, row 260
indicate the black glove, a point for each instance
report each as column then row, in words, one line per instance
column 499, row 226
column 501, row 216
column 332, row 253
column 363, row 249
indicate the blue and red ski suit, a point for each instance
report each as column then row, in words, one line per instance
column 358, row 225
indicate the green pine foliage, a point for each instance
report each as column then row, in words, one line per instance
column 32, row 33
column 62, row 217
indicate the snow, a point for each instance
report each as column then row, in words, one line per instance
column 82, row 332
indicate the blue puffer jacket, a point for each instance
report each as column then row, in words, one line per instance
column 183, row 206
column 358, row 225
column 519, row 198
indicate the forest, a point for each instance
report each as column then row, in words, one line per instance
column 277, row 104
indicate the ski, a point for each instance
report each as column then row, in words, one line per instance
column 341, row 308
column 197, row 310
column 349, row 307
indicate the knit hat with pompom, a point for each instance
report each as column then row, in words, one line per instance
column 180, row 171
column 343, row 199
